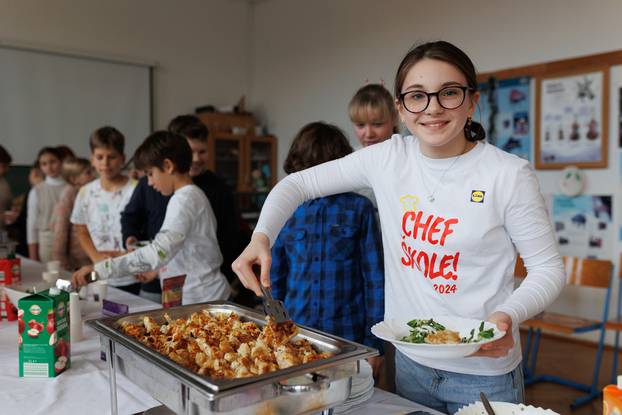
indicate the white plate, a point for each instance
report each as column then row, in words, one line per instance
column 393, row 330
column 504, row 408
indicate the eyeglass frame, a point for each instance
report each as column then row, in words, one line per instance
column 435, row 94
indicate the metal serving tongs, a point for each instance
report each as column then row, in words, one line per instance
column 66, row 285
column 273, row 308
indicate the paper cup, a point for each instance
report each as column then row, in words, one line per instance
column 53, row 266
column 100, row 288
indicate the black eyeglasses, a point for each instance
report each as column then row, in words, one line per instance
column 450, row 97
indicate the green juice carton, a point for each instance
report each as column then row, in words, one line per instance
column 43, row 325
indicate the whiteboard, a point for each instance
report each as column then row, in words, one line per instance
column 47, row 99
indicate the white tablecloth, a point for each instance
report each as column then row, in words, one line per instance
column 84, row 388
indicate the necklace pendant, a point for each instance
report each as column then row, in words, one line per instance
column 431, row 198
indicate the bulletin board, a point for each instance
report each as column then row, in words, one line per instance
column 570, row 111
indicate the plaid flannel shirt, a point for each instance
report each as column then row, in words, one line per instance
column 328, row 268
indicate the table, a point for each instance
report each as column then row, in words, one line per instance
column 84, row 388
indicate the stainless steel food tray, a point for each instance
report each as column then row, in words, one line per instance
column 301, row 389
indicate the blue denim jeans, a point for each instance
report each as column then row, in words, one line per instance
column 447, row 392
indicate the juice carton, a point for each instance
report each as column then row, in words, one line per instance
column 10, row 270
column 43, row 325
column 10, row 273
column 612, row 398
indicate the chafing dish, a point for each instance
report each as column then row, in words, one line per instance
column 303, row 389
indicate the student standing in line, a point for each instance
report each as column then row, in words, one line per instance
column 186, row 243
column 41, row 202
column 327, row 261
column 373, row 114
column 144, row 214
column 97, row 211
column 17, row 218
column 66, row 248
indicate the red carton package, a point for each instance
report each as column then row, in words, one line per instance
column 10, row 273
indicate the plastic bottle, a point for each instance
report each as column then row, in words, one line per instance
column 612, row 398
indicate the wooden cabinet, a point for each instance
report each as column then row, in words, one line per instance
column 246, row 161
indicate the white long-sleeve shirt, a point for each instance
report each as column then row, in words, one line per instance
column 455, row 255
column 32, row 233
column 186, row 244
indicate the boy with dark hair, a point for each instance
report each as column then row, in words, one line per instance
column 189, row 126
column 327, row 263
column 98, row 206
column 186, row 243
column 144, row 214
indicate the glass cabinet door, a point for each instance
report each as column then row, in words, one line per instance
column 260, row 166
column 227, row 161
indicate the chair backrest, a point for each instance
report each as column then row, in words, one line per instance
column 579, row 271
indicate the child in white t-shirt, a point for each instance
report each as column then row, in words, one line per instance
column 97, row 210
column 186, row 243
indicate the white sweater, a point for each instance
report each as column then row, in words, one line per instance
column 186, row 244
column 453, row 256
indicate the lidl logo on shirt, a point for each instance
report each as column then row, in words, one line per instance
column 477, row 196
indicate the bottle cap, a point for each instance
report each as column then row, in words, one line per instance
column 54, row 291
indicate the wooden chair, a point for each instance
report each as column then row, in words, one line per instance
column 616, row 325
column 580, row 272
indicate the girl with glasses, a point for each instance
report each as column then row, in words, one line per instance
column 454, row 212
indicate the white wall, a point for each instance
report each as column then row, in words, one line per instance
column 310, row 57
column 302, row 60
column 202, row 47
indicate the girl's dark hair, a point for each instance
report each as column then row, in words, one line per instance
column 5, row 157
column 163, row 145
column 316, row 143
column 107, row 137
column 446, row 52
column 49, row 150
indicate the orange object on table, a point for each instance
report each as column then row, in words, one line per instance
column 612, row 398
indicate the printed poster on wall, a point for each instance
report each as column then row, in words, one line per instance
column 572, row 121
column 511, row 114
column 583, row 225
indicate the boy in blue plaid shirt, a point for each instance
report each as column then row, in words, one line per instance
column 327, row 263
